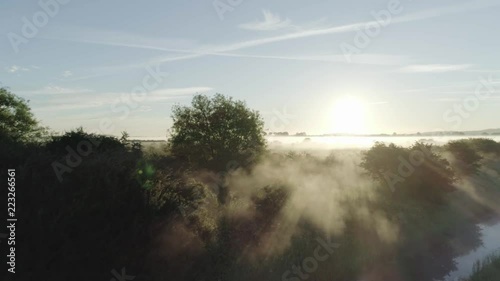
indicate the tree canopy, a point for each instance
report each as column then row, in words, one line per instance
column 17, row 122
column 466, row 157
column 415, row 171
column 214, row 132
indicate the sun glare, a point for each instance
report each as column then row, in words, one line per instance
column 348, row 116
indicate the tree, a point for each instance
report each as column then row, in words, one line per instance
column 466, row 158
column 216, row 133
column 485, row 146
column 414, row 172
column 17, row 122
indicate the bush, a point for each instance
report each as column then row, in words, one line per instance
column 415, row 171
column 486, row 146
column 78, row 138
column 84, row 221
column 467, row 159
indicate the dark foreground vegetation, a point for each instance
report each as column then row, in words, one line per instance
column 486, row 269
column 214, row 204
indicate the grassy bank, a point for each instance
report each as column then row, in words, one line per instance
column 487, row 269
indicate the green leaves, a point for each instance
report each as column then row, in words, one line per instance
column 17, row 122
column 468, row 160
column 215, row 131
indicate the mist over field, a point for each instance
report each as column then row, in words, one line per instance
column 302, row 189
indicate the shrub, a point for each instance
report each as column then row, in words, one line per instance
column 486, row 146
column 467, row 159
column 416, row 171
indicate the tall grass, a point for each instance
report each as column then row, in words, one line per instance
column 487, row 269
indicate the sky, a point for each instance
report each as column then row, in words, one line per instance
column 371, row 66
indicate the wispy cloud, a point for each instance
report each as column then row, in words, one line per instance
column 463, row 97
column 66, row 106
column 16, row 68
column 376, row 59
column 95, row 100
column 67, row 73
column 446, row 99
column 116, row 38
column 270, row 22
column 173, row 93
column 435, row 67
column 418, row 16
column 132, row 41
column 54, row 90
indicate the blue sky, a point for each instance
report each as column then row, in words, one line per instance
column 431, row 65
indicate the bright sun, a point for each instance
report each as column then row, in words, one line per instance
column 348, row 116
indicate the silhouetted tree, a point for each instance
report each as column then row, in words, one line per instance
column 486, row 146
column 468, row 160
column 214, row 132
column 416, row 171
column 17, row 122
